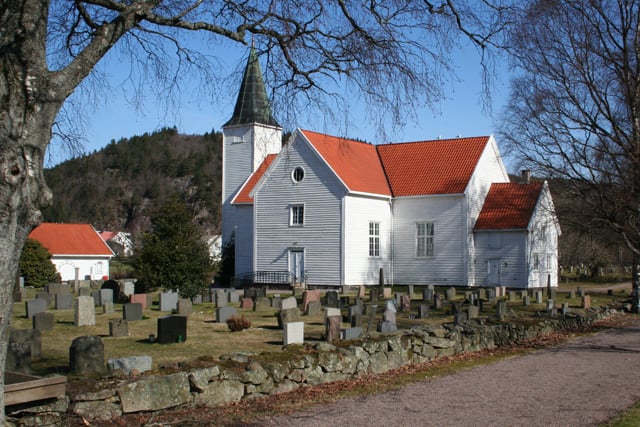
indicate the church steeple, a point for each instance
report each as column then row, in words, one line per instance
column 253, row 104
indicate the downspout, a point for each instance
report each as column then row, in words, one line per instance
column 392, row 242
column 342, row 243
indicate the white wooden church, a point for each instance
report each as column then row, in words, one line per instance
column 331, row 211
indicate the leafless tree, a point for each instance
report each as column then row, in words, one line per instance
column 392, row 53
column 574, row 109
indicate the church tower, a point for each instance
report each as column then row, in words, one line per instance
column 248, row 137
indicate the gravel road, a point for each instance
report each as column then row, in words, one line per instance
column 582, row 382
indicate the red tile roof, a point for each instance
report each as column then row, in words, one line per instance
column 509, row 206
column 442, row 166
column 107, row 235
column 356, row 163
column 71, row 239
column 243, row 195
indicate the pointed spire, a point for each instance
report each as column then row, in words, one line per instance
column 253, row 104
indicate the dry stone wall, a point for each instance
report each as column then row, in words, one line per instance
column 246, row 376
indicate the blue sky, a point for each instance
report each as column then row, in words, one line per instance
column 113, row 116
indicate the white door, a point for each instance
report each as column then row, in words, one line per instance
column 493, row 266
column 296, row 265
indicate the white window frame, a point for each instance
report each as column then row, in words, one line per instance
column 374, row 239
column 425, row 240
column 536, row 262
column 296, row 218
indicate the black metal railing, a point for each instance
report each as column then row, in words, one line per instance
column 263, row 278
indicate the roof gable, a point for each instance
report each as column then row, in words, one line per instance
column 509, row 206
column 71, row 239
column 442, row 166
column 244, row 195
column 356, row 164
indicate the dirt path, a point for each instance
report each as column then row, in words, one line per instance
column 582, row 382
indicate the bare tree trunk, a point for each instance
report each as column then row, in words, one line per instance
column 635, row 291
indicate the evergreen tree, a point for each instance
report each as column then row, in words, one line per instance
column 36, row 266
column 172, row 255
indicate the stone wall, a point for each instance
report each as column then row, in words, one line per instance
column 245, row 376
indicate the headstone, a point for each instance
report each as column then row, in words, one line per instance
column 539, row 297
column 332, row 328
column 353, row 310
column 84, row 291
column 460, row 318
column 221, row 298
column 96, row 298
column 513, row 295
column 107, row 308
column 352, row 333
column 311, row 296
column 46, row 297
column 172, row 329
column 262, row 304
column 356, row 320
column 245, row 303
column 473, row 311
column 86, row 354
column 523, row 294
column 106, row 295
column 482, row 293
column 84, row 312
column 374, row 294
column 491, row 295
column 362, row 292
column 196, row 299
column 503, row 291
column 132, row 311
column 450, row 294
column 235, row 295
column 332, row 299
column 43, row 321
column 331, row 311
column 390, row 305
column 139, row 299
column 427, row 295
column 581, row 292
column 386, row 327
column 410, row 289
column 565, row 308
column 185, row 307
column 129, row 364
column 35, row 306
column 586, row 301
column 288, row 315
column 526, row 301
column 290, row 302
column 293, row 333
column 501, row 309
column 314, row 308
column 118, row 328
column 437, row 301
column 481, row 305
column 168, row 301
column 389, row 316
column 456, row 307
column 128, row 289
column 572, row 294
column 550, row 305
column 424, row 311
column 64, row 301
column 372, row 315
column 224, row 313
column 406, row 303
column 24, row 345
column 276, row 302
column 386, row 293
column 498, row 291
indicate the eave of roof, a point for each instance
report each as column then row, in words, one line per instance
column 509, row 206
column 244, row 195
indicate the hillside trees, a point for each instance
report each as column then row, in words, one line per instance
column 574, row 110
column 391, row 54
column 173, row 256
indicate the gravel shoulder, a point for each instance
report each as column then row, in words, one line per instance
column 582, row 382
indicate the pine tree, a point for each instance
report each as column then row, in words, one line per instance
column 173, row 256
column 36, row 266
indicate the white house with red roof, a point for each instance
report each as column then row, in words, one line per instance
column 75, row 246
column 333, row 211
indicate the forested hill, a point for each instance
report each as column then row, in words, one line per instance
column 120, row 186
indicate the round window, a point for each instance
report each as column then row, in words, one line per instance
column 298, row 174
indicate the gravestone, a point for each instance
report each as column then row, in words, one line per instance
column 390, row 305
column 491, row 295
column 118, row 328
column 293, row 333
column 424, row 311
column 362, row 292
column 354, row 310
column 106, row 295
column 35, row 306
column 572, row 294
column 332, row 299
column 130, row 364
column 389, row 316
column 132, row 311
column 224, row 313
column 84, row 311
column 314, row 308
column 172, row 329
column 456, row 307
column 235, row 295
column 356, row 320
column 245, row 303
column 405, row 302
column 46, row 297
column 168, row 301
column 139, row 299
column 386, row 293
column 64, row 301
column 276, row 302
column 84, row 292
column 459, row 318
column 498, row 291
column 332, row 328
column 290, row 302
column 539, row 297
column 523, row 294
column 288, row 315
column 196, row 299
column 185, row 307
column 450, row 294
column 482, row 304
column 352, row 333
column 374, row 294
column 311, row 296
column 473, row 311
column 24, row 345
column 96, row 298
column 221, row 298
column 128, row 289
column 581, row 292
column 331, row 311
column 43, row 321
column 427, row 295
column 437, row 301
column 550, row 305
column 262, row 304
column 501, row 309
column 86, row 354
column 565, row 308
column 513, row 296
column 107, row 308
column 371, row 311
column 482, row 293
column 386, row 327
column 586, row 301
column 526, row 301
column 410, row 289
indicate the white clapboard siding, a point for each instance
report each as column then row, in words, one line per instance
column 244, row 239
column 509, row 247
column 321, row 194
column 447, row 266
column 543, row 241
column 360, row 268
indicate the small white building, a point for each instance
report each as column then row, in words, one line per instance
column 119, row 241
column 333, row 211
column 75, row 246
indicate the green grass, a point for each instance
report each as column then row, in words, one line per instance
column 628, row 418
